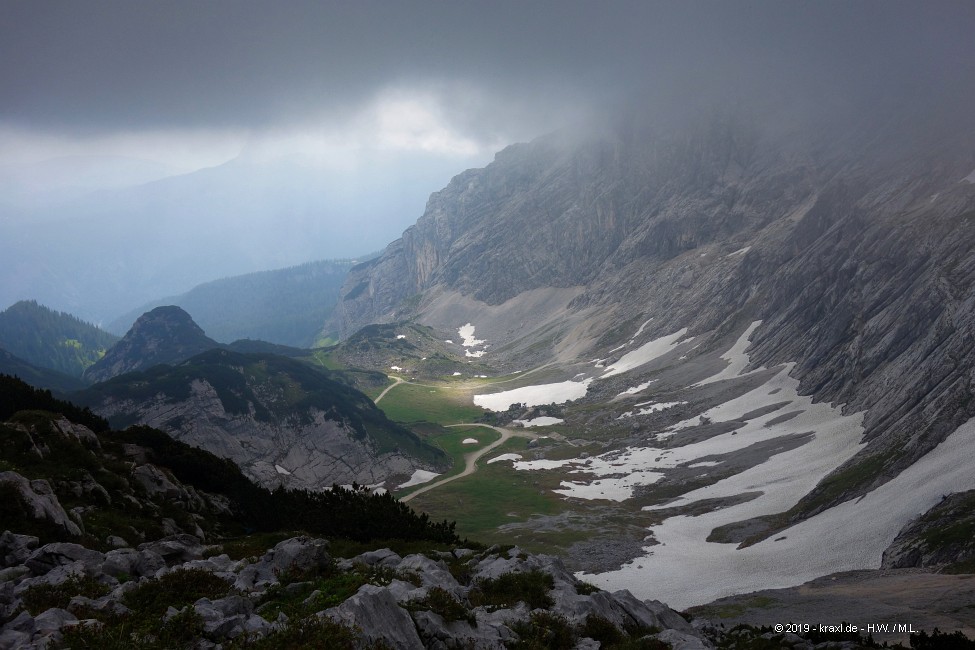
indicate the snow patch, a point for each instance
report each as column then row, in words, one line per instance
column 645, row 353
column 401, row 336
column 419, row 476
column 543, row 421
column 740, row 251
column 537, row 395
column 640, row 331
column 502, row 457
column 281, row 470
column 636, row 389
column 455, row 374
column 970, row 178
column 652, row 408
column 470, row 441
column 736, row 358
column 395, row 368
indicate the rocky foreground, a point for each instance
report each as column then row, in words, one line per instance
column 175, row 592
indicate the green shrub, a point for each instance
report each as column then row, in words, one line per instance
column 600, row 629
column 506, row 590
column 442, row 602
column 175, row 589
column 544, row 631
column 313, row 633
column 40, row 598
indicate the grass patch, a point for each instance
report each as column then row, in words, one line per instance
column 494, row 495
column 452, row 443
column 441, row 404
column 736, row 609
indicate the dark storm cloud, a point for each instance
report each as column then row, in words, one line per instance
column 99, row 66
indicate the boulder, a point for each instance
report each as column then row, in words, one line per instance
column 15, row 549
column 374, row 610
column 176, row 549
column 41, row 502
column 57, row 554
column 682, row 640
column 432, row 573
column 438, row 633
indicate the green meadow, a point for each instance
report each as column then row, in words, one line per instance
column 490, row 497
column 427, row 403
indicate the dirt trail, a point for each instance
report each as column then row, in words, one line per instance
column 396, row 382
column 470, row 460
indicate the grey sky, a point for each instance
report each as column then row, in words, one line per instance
column 495, row 71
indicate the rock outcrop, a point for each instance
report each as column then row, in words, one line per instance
column 944, row 535
column 410, row 602
column 163, row 335
column 280, row 421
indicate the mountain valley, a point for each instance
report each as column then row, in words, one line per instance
column 696, row 364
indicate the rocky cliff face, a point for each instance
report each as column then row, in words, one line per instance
column 280, row 421
column 851, row 243
column 163, row 335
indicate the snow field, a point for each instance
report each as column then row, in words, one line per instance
column 419, row 477
column 683, row 571
column 537, row 395
column 645, row 353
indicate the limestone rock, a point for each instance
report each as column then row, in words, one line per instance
column 41, row 501
column 375, row 611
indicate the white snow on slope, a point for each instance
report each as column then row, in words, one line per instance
column 419, row 476
column 466, row 333
column 684, row 570
column 736, row 358
column 281, row 470
column 645, row 353
column 634, row 390
column 640, row 331
column 537, row 395
column 542, row 421
column 970, row 178
column 740, row 251
column 786, row 476
column 498, row 459
column 650, row 407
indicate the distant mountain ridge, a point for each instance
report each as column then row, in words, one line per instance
column 50, row 339
column 36, row 376
column 285, row 306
